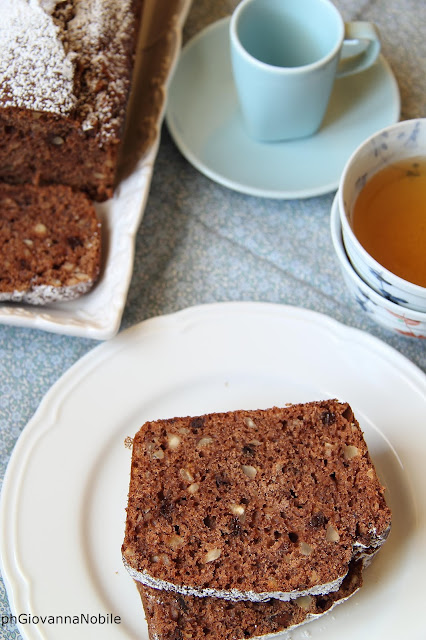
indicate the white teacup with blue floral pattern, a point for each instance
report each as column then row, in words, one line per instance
column 400, row 141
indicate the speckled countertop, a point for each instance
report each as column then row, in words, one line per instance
column 200, row 242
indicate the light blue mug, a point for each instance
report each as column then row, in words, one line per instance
column 286, row 55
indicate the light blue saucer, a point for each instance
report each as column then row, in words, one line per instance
column 204, row 120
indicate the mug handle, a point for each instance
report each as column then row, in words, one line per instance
column 360, row 48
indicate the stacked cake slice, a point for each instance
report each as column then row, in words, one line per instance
column 247, row 523
column 50, row 240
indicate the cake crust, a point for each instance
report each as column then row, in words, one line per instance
column 253, row 505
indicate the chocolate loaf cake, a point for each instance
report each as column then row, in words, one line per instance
column 65, row 75
column 172, row 616
column 253, row 505
column 50, row 244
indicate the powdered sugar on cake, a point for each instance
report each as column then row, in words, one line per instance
column 58, row 56
column 35, row 71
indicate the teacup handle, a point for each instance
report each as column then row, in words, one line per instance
column 360, row 49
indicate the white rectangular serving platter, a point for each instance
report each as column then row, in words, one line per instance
column 98, row 314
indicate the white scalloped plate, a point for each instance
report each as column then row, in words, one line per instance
column 98, row 314
column 65, row 491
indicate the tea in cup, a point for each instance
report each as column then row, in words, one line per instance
column 382, row 203
column 286, row 55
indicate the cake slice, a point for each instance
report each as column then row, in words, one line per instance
column 253, row 505
column 50, row 244
column 173, row 616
